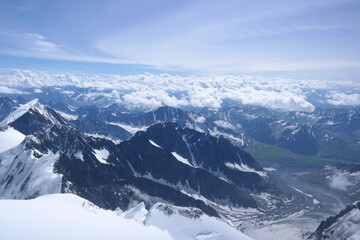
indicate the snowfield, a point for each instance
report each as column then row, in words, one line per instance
column 67, row 216
column 29, row 176
column 191, row 223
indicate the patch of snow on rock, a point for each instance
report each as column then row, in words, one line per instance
column 102, row 155
column 154, row 144
column 181, row 159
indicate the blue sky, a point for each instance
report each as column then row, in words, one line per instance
column 298, row 39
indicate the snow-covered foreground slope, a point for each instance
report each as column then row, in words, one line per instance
column 191, row 223
column 185, row 223
column 67, row 216
column 22, row 175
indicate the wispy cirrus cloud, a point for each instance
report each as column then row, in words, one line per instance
column 317, row 38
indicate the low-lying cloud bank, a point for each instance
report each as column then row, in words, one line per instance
column 339, row 98
column 149, row 91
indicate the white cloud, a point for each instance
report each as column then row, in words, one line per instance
column 38, row 90
column 36, row 36
column 289, row 100
column 224, row 124
column 8, row 90
column 39, row 43
column 339, row 180
column 151, row 99
column 339, row 98
column 67, row 92
column 204, row 97
column 149, row 91
column 229, row 37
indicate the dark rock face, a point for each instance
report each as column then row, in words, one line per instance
column 203, row 151
column 259, row 130
column 300, row 140
column 324, row 132
column 6, row 107
column 201, row 178
column 349, row 167
column 90, row 112
column 162, row 114
column 93, row 126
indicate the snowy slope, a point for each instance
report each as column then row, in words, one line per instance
column 137, row 213
column 22, row 175
column 21, row 110
column 190, row 223
column 10, row 138
column 345, row 225
column 67, row 216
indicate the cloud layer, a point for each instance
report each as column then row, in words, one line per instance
column 149, row 91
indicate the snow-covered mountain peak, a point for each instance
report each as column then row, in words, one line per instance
column 32, row 106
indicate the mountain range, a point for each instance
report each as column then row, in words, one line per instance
column 118, row 159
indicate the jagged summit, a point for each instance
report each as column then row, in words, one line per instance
column 34, row 106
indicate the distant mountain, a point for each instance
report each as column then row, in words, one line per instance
column 299, row 139
column 112, row 122
column 6, row 107
column 325, row 133
column 333, row 133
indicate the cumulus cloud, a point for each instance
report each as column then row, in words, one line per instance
column 150, row 99
column 149, row 91
column 67, row 92
column 293, row 101
column 339, row 98
column 339, row 181
column 38, row 90
column 205, row 97
column 7, row 90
